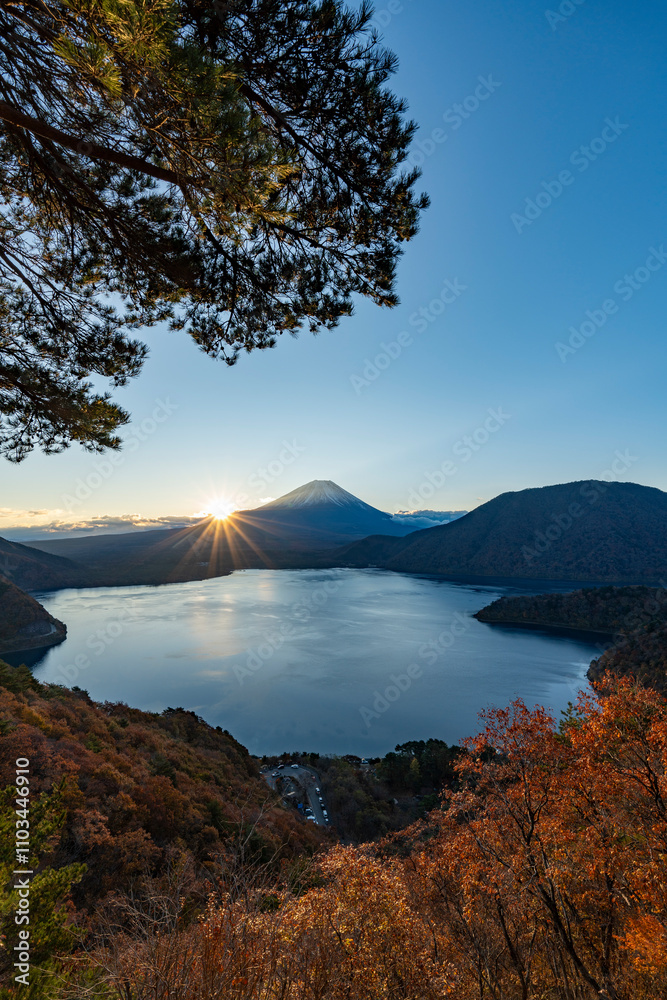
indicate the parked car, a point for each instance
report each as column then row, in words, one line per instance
column 294, row 765
column 325, row 814
column 317, row 790
column 275, row 774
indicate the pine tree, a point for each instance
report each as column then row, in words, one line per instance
column 231, row 168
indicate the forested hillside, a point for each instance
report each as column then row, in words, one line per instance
column 590, row 531
column 541, row 873
column 641, row 654
column 604, row 609
column 24, row 623
column 634, row 618
column 120, row 795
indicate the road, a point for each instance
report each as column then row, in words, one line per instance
column 307, row 779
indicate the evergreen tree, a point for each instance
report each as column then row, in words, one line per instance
column 231, row 168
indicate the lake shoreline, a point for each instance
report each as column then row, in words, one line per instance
column 555, row 627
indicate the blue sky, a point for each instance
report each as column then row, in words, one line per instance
column 539, row 94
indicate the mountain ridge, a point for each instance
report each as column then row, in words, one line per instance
column 31, row 568
column 298, row 530
column 589, row 530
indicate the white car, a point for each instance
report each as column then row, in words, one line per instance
column 325, row 814
column 294, row 765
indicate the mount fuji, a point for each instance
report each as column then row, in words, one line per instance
column 300, row 529
column 323, row 512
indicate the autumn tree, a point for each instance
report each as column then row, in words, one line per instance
column 543, row 878
column 232, row 168
column 548, row 876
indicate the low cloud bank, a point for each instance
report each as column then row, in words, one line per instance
column 47, row 524
column 108, row 524
column 426, row 518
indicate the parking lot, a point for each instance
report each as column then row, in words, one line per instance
column 307, row 780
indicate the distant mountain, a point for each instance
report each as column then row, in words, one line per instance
column 299, row 529
column 24, row 623
column 324, row 512
column 31, row 569
column 584, row 531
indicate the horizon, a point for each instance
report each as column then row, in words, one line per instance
column 129, row 523
column 469, row 371
column 340, row 671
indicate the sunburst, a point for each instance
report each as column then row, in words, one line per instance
column 218, row 508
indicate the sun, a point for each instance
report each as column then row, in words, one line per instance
column 218, row 508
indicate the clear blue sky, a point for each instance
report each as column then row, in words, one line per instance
column 550, row 89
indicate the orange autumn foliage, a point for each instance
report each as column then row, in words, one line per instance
column 544, row 877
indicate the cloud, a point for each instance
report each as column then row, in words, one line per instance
column 426, row 518
column 13, row 524
column 32, row 525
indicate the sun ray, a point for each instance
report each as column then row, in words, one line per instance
column 217, row 507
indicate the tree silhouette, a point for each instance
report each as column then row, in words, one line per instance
column 230, row 168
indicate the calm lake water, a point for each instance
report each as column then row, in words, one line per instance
column 338, row 661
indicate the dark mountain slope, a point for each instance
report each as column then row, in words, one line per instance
column 612, row 610
column 31, row 569
column 607, row 532
column 24, row 623
column 636, row 618
column 290, row 532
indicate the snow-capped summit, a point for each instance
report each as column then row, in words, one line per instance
column 317, row 493
column 319, row 513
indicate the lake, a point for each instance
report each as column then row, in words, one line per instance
column 338, row 661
